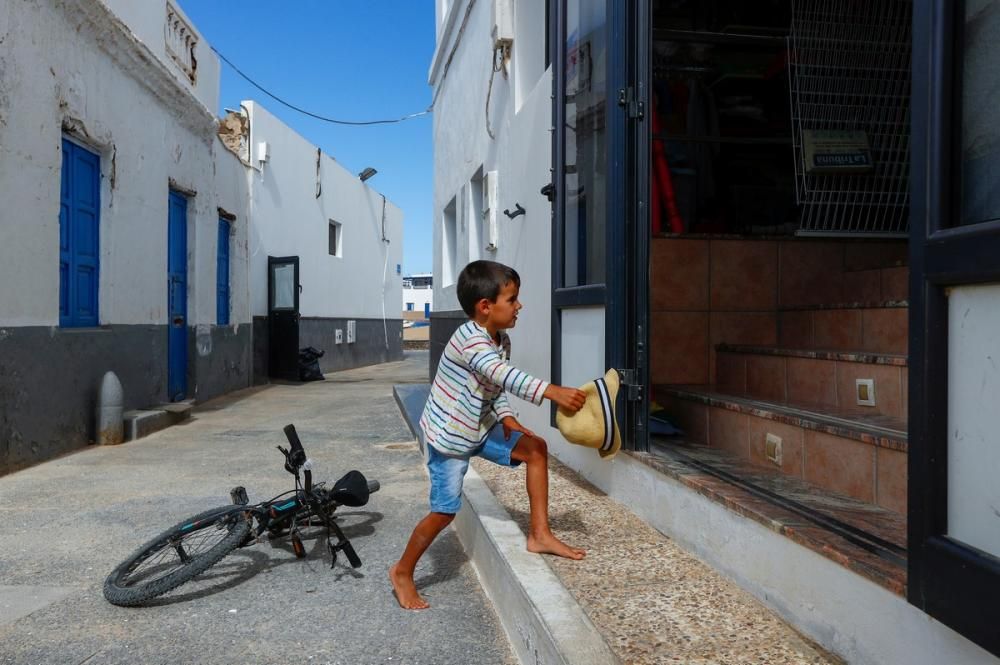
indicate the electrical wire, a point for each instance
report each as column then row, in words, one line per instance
column 357, row 123
column 494, row 68
column 315, row 115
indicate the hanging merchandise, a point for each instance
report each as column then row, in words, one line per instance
column 662, row 186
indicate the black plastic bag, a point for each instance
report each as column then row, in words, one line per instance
column 309, row 364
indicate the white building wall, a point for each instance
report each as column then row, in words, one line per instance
column 520, row 119
column 73, row 66
column 145, row 19
column 289, row 219
column 419, row 298
column 75, row 69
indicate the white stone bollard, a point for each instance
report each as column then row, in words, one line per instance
column 110, row 406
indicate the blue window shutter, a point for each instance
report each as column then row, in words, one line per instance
column 222, row 275
column 427, row 310
column 79, row 237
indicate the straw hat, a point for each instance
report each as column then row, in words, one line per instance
column 595, row 425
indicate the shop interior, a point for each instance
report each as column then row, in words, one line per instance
column 779, row 158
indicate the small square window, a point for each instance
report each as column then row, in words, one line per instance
column 335, row 239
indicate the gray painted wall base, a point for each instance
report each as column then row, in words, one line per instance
column 375, row 343
column 443, row 326
column 50, row 376
column 219, row 360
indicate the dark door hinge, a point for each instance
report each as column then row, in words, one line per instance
column 631, row 385
column 549, row 192
column 627, row 100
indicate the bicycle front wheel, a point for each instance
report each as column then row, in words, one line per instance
column 176, row 556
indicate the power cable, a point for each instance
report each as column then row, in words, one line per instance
column 444, row 75
column 315, row 115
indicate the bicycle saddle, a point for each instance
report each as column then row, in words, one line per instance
column 351, row 490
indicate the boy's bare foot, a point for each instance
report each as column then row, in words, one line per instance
column 406, row 591
column 549, row 544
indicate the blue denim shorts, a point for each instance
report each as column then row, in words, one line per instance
column 447, row 473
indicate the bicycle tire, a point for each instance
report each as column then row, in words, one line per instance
column 118, row 590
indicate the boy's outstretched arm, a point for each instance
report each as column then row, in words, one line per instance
column 489, row 367
column 570, row 399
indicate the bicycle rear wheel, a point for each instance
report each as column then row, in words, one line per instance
column 176, row 556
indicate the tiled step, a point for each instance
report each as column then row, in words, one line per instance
column 873, row 327
column 877, row 284
column 808, row 376
column 865, row 538
column 862, row 456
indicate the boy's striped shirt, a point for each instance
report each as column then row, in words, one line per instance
column 468, row 396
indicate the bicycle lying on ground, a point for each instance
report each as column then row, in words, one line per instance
column 196, row 544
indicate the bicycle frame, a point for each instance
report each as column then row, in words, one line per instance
column 308, row 501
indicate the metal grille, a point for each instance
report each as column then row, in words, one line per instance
column 849, row 64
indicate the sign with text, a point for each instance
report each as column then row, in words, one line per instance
column 829, row 151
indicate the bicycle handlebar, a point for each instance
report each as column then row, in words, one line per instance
column 297, row 452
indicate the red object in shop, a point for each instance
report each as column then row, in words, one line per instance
column 662, row 193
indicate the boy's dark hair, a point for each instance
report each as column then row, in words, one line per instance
column 483, row 279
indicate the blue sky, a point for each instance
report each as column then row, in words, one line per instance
column 347, row 60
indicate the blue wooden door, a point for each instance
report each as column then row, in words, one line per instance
column 222, row 275
column 79, row 242
column 177, row 346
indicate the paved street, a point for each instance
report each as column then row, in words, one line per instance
column 68, row 522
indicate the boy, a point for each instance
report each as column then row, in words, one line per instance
column 466, row 411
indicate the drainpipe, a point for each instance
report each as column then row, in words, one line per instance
column 110, row 426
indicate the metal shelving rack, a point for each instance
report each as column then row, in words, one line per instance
column 849, row 64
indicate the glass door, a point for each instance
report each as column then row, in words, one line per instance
column 954, row 445
column 283, row 317
column 596, row 109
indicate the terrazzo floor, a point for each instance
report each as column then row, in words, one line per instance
column 652, row 601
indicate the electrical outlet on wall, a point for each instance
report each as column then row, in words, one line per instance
column 772, row 448
column 338, row 336
column 865, row 390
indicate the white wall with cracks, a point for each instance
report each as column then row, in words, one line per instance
column 73, row 68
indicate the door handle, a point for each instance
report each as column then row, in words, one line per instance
column 178, row 321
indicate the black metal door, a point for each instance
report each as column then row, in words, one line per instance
column 595, row 107
column 954, row 445
column 283, row 317
column 635, row 294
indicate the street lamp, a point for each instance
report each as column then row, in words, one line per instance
column 367, row 173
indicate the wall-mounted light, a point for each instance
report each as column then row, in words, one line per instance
column 367, row 173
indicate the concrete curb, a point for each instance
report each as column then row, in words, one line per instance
column 544, row 623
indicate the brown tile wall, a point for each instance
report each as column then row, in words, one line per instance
column 891, row 481
column 812, row 382
column 841, row 465
column 703, row 293
column 708, row 291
